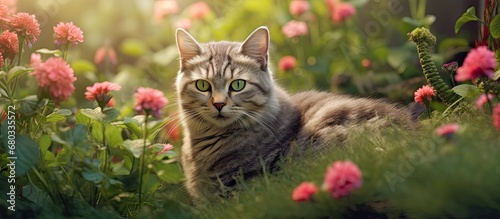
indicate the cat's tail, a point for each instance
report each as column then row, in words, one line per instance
column 425, row 41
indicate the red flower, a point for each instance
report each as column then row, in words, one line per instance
column 483, row 99
column 149, row 99
column 9, row 46
column 199, row 10
column 100, row 92
column 340, row 11
column 294, row 28
column 26, row 26
column 496, row 116
column 479, row 62
column 342, row 178
column 304, row 191
column 67, row 33
column 366, row 63
column 447, row 130
column 287, row 63
column 298, row 7
column 163, row 8
column 56, row 76
column 424, row 93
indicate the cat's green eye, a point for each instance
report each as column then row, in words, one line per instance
column 202, row 85
column 238, row 85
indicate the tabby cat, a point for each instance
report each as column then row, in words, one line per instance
column 237, row 121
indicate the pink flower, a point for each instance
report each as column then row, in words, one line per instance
column 426, row 92
column 102, row 52
column 483, row 99
column 294, row 28
column 479, row 62
column 184, row 23
column 287, row 63
column 163, row 8
column 199, row 10
column 67, row 33
column 9, row 46
column 35, row 59
column 304, row 191
column 57, row 77
column 298, row 7
column 11, row 4
column 26, row 26
column 366, row 63
column 340, row 11
column 496, row 117
column 342, row 178
column 447, row 130
column 1, row 61
column 4, row 17
column 100, row 92
column 166, row 147
column 150, row 100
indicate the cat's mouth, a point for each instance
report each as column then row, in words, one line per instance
column 220, row 116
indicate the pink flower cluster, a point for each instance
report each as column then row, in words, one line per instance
column 104, row 52
column 199, row 10
column 478, row 63
column 340, row 11
column 299, row 7
column 163, row 8
column 67, row 33
column 496, row 117
column 9, row 46
column 294, row 28
column 150, row 100
column 341, row 178
column 26, row 26
column 424, row 93
column 483, row 99
column 55, row 75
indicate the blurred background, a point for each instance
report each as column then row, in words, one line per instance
column 314, row 44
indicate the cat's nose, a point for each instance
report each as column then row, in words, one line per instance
column 219, row 105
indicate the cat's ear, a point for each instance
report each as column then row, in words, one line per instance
column 257, row 46
column 187, row 45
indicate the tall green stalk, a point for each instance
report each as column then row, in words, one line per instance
column 143, row 159
column 425, row 41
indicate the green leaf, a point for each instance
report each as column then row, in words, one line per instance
column 496, row 76
column 94, row 114
column 28, row 105
column 16, row 71
column 113, row 136
column 110, row 114
column 166, row 56
column 135, row 146
column 44, row 142
column 170, row 173
column 82, row 118
column 495, row 27
column 56, row 52
column 466, row 90
column 133, row 47
column 77, row 137
column 54, row 117
column 93, row 174
column 83, row 66
column 27, row 154
column 469, row 15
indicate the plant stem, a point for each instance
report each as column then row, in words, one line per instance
column 142, row 161
column 425, row 41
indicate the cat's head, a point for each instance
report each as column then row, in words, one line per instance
column 225, row 83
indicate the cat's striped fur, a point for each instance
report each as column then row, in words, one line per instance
column 230, row 134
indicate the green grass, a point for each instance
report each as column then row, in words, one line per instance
column 408, row 175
